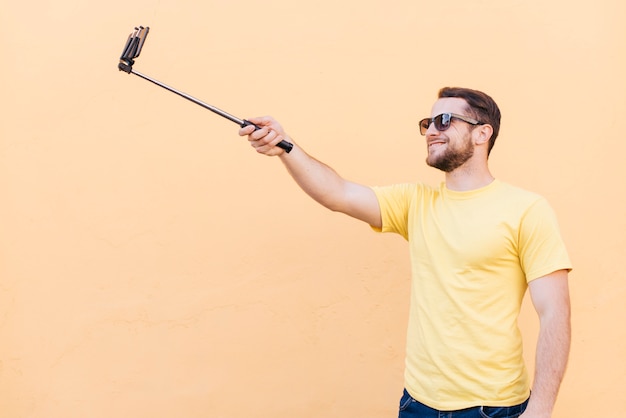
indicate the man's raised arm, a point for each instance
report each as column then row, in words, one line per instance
column 317, row 179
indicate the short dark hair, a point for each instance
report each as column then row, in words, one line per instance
column 481, row 106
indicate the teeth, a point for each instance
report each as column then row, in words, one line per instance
column 435, row 145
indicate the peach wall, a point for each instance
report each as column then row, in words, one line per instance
column 152, row 265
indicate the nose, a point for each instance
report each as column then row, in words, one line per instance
column 431, row 131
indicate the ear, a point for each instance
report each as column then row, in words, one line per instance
column 482, row 134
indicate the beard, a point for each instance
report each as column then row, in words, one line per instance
column 452, row 157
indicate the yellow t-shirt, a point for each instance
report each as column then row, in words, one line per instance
column 473, row 254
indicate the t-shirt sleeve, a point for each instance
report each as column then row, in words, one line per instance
column 541, row 247
column 395, row 202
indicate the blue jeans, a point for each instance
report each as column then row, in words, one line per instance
column 410, row 408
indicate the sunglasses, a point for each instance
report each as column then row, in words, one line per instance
column 443, row 122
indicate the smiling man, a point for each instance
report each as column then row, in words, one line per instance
column 476, row 244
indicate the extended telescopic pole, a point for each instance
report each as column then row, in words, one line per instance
column 213, row 109
column 133, row 49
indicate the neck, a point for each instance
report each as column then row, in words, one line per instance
column 467, row 178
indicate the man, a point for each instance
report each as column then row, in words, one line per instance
column 476, row 245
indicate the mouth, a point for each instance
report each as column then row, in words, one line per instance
column 435, row 144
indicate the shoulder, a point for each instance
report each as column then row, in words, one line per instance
column 404, row 190
column 518, row 192
column 398, row 200
column 520, row 198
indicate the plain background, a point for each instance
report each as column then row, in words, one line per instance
column 153, row 265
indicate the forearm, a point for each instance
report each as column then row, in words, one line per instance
column 315, row 178
column 550, row 363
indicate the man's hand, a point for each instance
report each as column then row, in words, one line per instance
column 264, row 140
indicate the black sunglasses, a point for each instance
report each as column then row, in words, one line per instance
column 443, row 122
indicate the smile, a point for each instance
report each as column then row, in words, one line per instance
column 435, row 144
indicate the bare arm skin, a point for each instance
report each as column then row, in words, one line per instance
column 550, row 297
column 317, row 179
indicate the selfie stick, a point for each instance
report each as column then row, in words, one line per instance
column 132, row 50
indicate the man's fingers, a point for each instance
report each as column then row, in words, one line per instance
column 246, row 130
column 261, row 134
column 262, row 120
column 265, row 139
column 253, row 132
